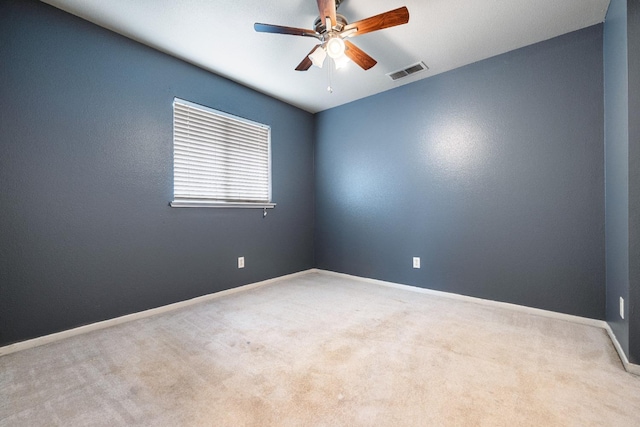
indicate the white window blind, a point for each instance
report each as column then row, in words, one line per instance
column 219, row 159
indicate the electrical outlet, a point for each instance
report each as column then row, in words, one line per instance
column 416, row 262
column 240, row 262
column 622, row 307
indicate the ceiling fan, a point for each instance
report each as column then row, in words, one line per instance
column 333, row 30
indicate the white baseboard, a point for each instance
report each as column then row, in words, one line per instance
column 35, row 342
column 630, row 367
column 491, row 303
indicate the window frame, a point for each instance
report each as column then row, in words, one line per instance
column 182, row 202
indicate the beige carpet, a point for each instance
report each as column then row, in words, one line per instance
column 320, row 350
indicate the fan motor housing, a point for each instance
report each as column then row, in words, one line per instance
column 320, row 26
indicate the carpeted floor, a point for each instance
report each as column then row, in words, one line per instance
column 321, row 350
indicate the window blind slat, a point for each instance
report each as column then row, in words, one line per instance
column 217, row 128
column 216, row 162
column 209, row 151
column 215, row 179
column 223, row 135
column 223, row 163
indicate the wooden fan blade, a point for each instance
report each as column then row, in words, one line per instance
column 358, row 56
column 306, row 62
column 279, row 29
column 384, row 20
column 327, row 8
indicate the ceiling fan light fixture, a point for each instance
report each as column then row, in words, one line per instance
column 332, row 29
column 335, row 47
column 318, row 56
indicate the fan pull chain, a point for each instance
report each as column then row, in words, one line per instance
column 329, row 66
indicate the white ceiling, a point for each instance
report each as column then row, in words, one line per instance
column 218, row 36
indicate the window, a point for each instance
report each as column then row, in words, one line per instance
column 219, row 160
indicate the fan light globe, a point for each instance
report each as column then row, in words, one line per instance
column 318, row 56
column 341, row 61
column 335, row 47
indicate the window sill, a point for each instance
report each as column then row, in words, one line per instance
column 211, row 204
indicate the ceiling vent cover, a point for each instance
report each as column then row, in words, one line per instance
column 405, row 72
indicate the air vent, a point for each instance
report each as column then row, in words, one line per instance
column 411, row 69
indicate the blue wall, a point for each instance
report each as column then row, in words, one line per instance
column 493, row 174
column 633, row 36
column 622, row 146
column 86, row 232
column 617, row 167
